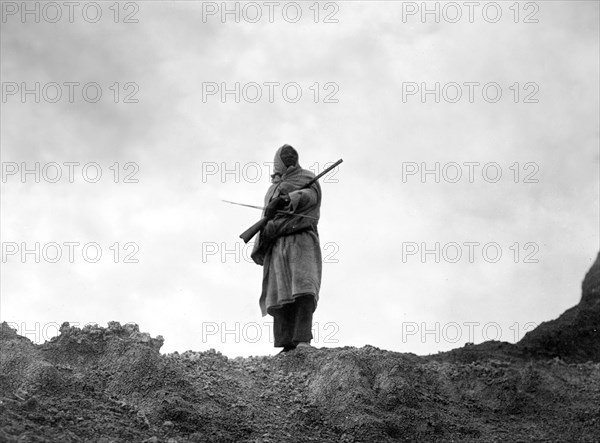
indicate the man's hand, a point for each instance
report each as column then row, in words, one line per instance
column 269, row 231
column 275, row 205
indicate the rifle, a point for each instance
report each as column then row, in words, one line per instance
column 256, row 227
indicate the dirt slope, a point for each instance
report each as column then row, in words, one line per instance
column 113, row 385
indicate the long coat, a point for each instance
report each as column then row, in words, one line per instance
column 293, row 265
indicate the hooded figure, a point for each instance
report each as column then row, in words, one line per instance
column 288, row 249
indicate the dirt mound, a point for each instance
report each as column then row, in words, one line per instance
column 113, row 385
column 103, row 382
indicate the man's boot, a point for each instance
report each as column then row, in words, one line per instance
column 304, row 346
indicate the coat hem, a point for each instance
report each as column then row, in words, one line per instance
column 270, row 309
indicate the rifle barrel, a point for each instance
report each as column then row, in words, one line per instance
column 310, row 183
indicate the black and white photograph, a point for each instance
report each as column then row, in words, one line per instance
column 300, row 221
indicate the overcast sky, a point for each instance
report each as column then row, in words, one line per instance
column 517, row 96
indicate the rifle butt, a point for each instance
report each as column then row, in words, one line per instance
column 253, row 230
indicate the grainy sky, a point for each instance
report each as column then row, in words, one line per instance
column 194, row 104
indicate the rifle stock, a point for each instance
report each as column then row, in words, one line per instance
column 256, row 227
column 253, row 230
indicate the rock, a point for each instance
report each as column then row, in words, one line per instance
column 590, row 287
column 132, row 327
column 114, row 325
column 575, row 335
column 30, row 404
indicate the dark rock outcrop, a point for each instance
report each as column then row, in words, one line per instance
column 575, row 335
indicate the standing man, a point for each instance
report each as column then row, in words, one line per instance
column 288, row 249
